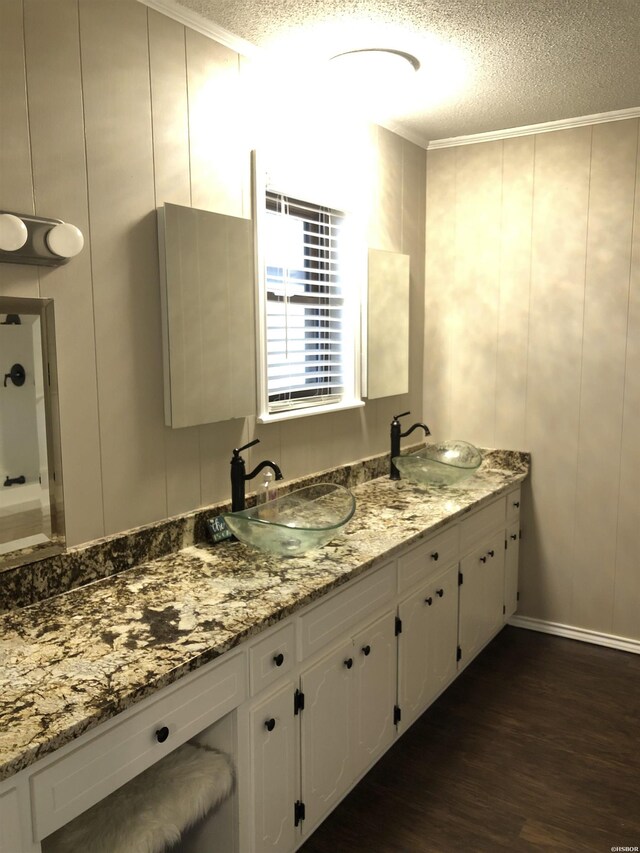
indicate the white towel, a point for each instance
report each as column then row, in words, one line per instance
column 149, row 813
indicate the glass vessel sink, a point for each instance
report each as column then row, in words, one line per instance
column 294, row 523
column 442, row 464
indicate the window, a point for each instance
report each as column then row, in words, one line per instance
column 309, row 309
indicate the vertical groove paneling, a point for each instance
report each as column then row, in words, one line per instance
column 626, row 602
column 115, row 66
column 219, row 172
column 440, row 257
column 170, row 123
column 568, row 352
column 555, row 352
column 60, row 185
column 611, row 198
column 386, row 230
column 475, row 305
column 128, row 110
column 219, row 163
column 515, row 284
column 413, row 237
column 16, row 187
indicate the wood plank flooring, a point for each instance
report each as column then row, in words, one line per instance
column 536, row 746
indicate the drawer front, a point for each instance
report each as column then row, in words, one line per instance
column 435, row 554
column 272, row 657
column 342, row 612
column 83, row 777
column 481, row 523
column 513, row 506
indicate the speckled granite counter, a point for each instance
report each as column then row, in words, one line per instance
column 76, row 660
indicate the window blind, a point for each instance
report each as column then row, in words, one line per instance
column 304, row 304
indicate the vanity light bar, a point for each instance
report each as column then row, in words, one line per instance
column 26, row 239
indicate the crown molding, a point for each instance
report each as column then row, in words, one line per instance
column 530, row 129
column 203, row 25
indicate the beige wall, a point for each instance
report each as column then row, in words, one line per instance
column 109, row 109
column 532, row 341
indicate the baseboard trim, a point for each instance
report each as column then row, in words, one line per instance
column 581, row 634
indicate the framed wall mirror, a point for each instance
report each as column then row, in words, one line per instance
column 31, row 496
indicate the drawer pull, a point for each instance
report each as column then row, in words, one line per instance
column 348, row 663
column 270, row 724
column 278, row 659
column 439, row 593
column 428, row 601
column 366, row 650
column 435, row 556
column 516, row 504
column 483, row 559
column 492, row 553
column 162, row 734
column 514, row 536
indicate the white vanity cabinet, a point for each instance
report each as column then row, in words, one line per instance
column 427, row 643
column 374, row 683
column 14, row 836
column 427, row 622
column 512, row 553
column 348, row 716
column 330, row 721
column 272, row 778
column 481, row 596
column 306, row 707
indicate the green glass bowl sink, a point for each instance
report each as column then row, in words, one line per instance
column 442, row 464
column 296, row 522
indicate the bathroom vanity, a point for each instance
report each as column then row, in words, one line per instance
column 305, row 670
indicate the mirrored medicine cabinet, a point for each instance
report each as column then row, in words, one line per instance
column 31, row 496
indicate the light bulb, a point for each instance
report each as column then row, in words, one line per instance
column 13, row 232
column 65, row 240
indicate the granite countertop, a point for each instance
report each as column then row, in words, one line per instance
column 78, row 659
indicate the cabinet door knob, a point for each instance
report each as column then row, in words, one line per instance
column 492, row 553
column 516, row 504
column 278, row 659
column 483, row 559
column 348, row 663
column 439, row 593
column 428, row 601
column 162, row 734
column 270, row 724
column 435, row 556
column 514, row 536
column 366, row 650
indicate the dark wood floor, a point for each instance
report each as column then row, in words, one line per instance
column 536, row 746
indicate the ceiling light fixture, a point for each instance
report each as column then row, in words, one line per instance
column 386, row 55
column 376, row 82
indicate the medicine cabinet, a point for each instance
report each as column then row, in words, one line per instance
column 208, row 315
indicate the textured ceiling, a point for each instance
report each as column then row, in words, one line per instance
column 486, row 64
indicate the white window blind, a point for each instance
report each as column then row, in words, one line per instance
column 305, row 304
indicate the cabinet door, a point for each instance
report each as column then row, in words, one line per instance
column 427, row 644
column 443, row 632
column 374, row 684
column 10, row 833
column 511, row 570
column 327, row 765
column 274, row 771
column 413, row 643
column 481, row 596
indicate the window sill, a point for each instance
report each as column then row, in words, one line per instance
column 273, row 417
